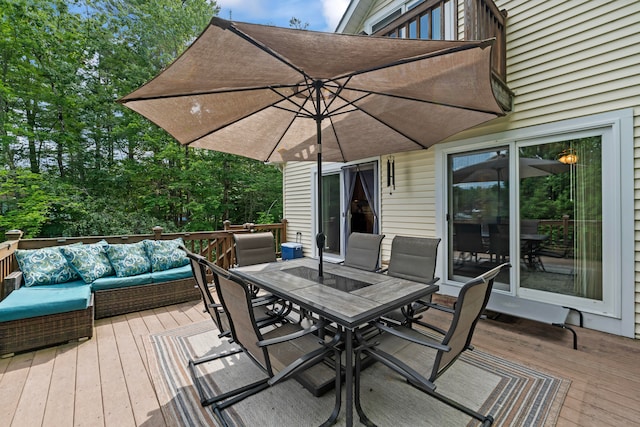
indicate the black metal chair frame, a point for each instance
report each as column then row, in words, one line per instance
column 268, row 309
column 466, row 314
column 224, row 400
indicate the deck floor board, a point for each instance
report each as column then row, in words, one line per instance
column 105, row 380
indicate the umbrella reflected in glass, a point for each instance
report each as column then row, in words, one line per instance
column 277, row 95
column 496, row 169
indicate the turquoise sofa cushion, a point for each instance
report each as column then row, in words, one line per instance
column 44, row 266
column 165, row 254
column 113, row 282
column 129, row 259
column 89, row 261
column 177, row 273
column 37, row 301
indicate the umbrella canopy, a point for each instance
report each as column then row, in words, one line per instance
column 277, row 94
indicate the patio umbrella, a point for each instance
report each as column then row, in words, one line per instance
column 277, row 94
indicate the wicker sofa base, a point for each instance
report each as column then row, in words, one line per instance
column 112, row 302
column 43, row 331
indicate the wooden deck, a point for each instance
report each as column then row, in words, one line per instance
column 104, row 381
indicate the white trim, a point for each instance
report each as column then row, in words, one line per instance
column 616, row 128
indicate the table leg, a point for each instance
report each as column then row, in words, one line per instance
column 349, row 375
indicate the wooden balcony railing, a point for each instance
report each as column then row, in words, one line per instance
column 216, row 246
column 483, row 20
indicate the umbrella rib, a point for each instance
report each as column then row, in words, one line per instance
column 204, row 92
column 266, row 49
column 480, row 44
column 409, row 98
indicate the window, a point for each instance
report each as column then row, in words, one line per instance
column 555, row 200
column 432, row 20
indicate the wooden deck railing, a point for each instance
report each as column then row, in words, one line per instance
column 216, row 246
column 483, row 20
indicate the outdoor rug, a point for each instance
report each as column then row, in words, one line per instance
column 512, row 393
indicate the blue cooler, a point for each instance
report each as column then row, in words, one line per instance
column 291, row 250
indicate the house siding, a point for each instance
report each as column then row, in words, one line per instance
column 564, row 60
column 409, row 210
column 296, row 190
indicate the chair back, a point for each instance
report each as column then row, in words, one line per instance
column 254, row 248
column 471, row 302
column 363, row 251
column 499, row 239
column 413, row 258
column 468, row 237
column 199, row 269
column 235, row 297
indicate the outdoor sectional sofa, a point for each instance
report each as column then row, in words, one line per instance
column 59, row 290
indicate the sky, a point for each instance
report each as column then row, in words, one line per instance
column 321, row 15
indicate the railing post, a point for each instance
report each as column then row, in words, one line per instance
column 565, row 230
column 283, row 234
column 13, row 235
column 157, row 232
column 226, row 224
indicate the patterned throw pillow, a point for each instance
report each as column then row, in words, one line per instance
column 165, row 254
column 46, row 266
column 89, row 261
column 129, row 259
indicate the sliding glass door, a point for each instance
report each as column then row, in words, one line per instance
column 539, row 206
column 350, row 204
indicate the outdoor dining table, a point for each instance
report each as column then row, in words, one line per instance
column 347, row 296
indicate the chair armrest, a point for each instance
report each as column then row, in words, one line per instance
column 292, row 336
column 410, row 338
column 436, row 306
column 12, row 282
column 264, row 300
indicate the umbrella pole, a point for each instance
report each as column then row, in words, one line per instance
column 320, row 238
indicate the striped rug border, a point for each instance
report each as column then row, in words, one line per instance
column 524, row 396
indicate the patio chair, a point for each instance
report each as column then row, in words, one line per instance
column 498, row 242
column 468, row 241
column 254, row 248
column 265, row 311
column 420, row 359
column 363, row 251
column 283, row 352
column 412, row 258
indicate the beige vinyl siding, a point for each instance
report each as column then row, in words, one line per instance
column 410, row 209
column 565, row 59
column 297, row 196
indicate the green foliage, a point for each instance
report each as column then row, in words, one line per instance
column 78, row 163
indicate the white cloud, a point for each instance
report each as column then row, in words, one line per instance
column 333, row 11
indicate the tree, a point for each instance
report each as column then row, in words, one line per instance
column 99, row 166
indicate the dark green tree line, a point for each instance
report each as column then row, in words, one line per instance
column 74, row 161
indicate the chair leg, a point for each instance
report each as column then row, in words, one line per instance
column 486, row 420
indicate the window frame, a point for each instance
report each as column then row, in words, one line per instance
column 401, row 24
column 616, row 128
